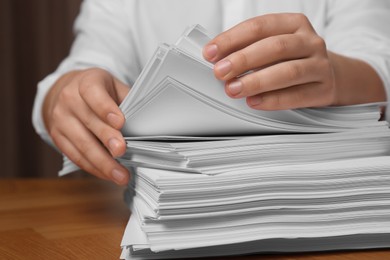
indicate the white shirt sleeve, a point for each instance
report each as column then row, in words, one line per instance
column 103, row 40
column 360, row 29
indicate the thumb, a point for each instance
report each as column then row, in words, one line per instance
column 121, row 90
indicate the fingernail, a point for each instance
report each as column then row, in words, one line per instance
column 222, row 68
column 118, row 176
column 210, row 52
column 114, row 120
column 114, row 145
column 235, row 87
column 255, row 101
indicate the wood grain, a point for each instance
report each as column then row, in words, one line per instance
column 61, row 219
column 85, row 219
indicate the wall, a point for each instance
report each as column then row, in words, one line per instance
column 34, row 37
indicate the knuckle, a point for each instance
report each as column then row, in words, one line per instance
column 224, row 41
column 56, row 113
column 256, row 25
column 252, row 85
column 90, row 78
column 103, row 109
column 301, row 18
column 104, row 134
column 276, row 101
column 271, row 101
column 77, row 159
column 85, row 147
column 84, row 87
column 93, row 73
column 241, row 58
column 107, row 166
column 318, row 43
column 66, row 95
column 280, row 46
column 100, row 158
column 295, row 71
column 89, row 122
column 258, row 86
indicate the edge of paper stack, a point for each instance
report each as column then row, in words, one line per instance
column 213, row 177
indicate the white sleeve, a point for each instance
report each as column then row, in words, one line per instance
column 104, row 40
column 360, row 29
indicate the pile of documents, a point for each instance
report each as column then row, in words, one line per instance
column 215, row 177
column 317, row 206
column 293, row 193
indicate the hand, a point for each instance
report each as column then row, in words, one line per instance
column 277, row 61
column 82, row 116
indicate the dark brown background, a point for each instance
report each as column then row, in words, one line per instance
column 34, row 37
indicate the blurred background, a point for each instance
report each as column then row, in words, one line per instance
column 34, row 37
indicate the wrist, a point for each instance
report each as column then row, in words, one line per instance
column 356, row 82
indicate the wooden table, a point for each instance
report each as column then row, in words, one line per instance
column 83, row 219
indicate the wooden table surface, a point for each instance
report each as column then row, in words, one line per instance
column 84, row 219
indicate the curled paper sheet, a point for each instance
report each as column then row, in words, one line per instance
column 177, row 94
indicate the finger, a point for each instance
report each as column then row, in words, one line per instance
column 74, row 155
column 262, row 53
column 99, row 93
column 110, row 137
column 278, row 76
column 307, row 95
column 94, row 152
column 253, row 30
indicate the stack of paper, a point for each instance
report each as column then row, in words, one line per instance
column 212, row 157
column 215, row 177
column 315, row 206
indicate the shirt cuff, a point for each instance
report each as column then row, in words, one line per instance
column 43, row 88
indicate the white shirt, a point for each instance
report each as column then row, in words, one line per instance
column 121, row 35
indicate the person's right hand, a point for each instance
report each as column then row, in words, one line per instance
column 82, row 116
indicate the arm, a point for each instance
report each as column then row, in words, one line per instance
column 356, row 81
column 76, row 107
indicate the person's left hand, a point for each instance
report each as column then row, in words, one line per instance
column 275, row 61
